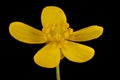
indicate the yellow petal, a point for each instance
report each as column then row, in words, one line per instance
column 26, row 33
column 52, row 15
column 77, row 52
column 48, row 56
column 88, row 33
column 62, row 56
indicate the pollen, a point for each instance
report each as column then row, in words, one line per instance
column 57, row 32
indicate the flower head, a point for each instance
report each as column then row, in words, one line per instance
column 58, row 36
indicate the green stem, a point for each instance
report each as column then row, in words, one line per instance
column 58, row 72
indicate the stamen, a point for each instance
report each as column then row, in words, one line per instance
column 57, row 32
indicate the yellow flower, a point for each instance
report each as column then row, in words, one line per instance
column 58, row 36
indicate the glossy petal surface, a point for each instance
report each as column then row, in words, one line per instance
column 49, row 56
column 77, row 52
column 52, row 15
column 26, row 33
column 86, row 34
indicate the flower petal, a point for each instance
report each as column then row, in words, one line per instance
column 87, row 33
column 26, row 33
column 62, row 56
column 52, row 15
column 48, row 56
column 77, row 52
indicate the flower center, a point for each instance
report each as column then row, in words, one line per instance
column 57, row 32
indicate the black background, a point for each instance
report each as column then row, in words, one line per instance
column 17, row 58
